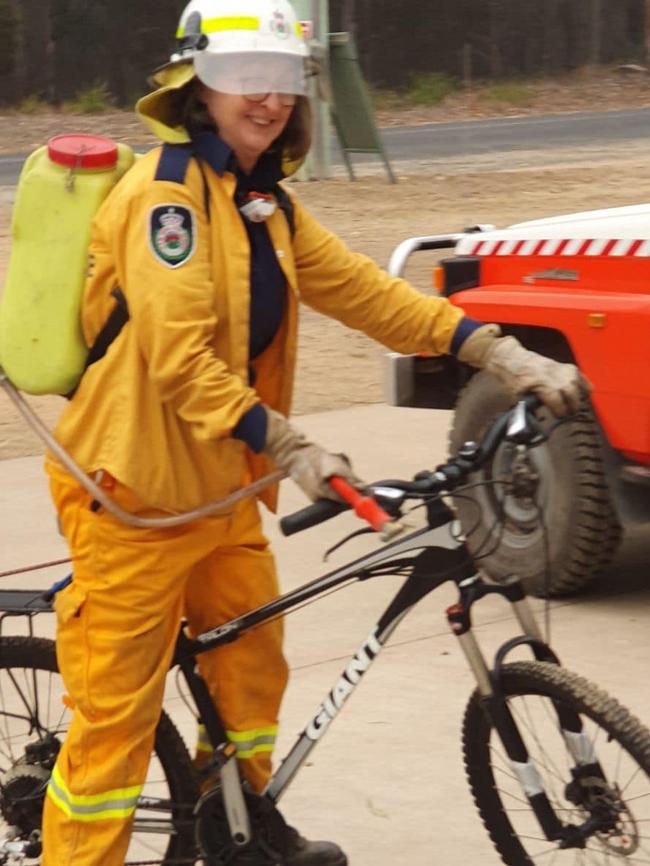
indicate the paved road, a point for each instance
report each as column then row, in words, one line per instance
column 473, row 137
column 433, row 141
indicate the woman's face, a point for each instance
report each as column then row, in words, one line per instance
column 248, row 127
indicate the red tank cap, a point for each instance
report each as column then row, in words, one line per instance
column 82, row 151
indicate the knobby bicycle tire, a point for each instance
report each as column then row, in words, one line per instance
column 622, row 745
column 29, row 671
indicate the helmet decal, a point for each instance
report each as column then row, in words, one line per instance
column 280, row 26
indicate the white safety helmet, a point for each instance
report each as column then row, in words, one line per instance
column 243, row 46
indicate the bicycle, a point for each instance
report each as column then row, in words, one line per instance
column 559, row 771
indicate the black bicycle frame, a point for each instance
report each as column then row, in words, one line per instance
column 429, row 565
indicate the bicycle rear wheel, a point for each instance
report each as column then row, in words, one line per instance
column 617, row 807
column 33, row 723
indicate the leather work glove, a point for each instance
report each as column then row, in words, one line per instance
column 560, row 386
column 306, row 463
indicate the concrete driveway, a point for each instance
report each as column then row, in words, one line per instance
column 387, row 781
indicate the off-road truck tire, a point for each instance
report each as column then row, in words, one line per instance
column 559, row 539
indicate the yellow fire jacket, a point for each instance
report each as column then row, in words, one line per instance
column 158, row 410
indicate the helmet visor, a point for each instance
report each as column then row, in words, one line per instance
column 252, row 72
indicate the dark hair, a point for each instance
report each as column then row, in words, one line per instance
column 194, row 116
column 295, row 140
column 294, row 143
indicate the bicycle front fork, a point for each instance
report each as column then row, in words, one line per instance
column 495, row 704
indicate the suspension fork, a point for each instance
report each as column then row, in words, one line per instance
column 494, row 702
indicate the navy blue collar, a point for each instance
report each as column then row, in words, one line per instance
column 209, row 147
column 213, row 150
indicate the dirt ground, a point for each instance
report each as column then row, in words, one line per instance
column 586, row 89
column 339, row 368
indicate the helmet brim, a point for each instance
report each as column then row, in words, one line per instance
column 249, row 72
column 159, row 109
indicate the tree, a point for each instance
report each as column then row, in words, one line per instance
column 349, row 16
column 7, row 37
column 596, row 31
column 37, row 48
column 57, row 48
column 16, row 66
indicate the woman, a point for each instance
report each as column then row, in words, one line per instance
column 190, row 403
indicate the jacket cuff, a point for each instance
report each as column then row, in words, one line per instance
column 251, row 428
column 466, row 326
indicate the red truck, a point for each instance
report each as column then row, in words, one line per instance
column 575, row 288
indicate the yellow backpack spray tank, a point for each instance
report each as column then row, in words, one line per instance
column 61, row 186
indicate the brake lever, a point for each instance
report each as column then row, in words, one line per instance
column 389, row 498
column 522, row 422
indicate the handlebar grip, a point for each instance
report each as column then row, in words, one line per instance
column 312, row 515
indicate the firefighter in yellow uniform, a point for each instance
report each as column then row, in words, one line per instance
column 190, row 402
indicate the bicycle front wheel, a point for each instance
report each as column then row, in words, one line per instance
column 34, row 718
column 610, row 811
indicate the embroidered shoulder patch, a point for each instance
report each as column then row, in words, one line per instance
column 172, row 234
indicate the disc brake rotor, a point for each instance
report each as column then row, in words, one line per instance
column 521, row 502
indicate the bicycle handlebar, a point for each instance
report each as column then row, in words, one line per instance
column 312, row 515
column 516, row 425
column 364, row 505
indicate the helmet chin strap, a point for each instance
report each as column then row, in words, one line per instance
column 258, row 206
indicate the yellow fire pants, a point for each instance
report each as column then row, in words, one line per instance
column 117, row 625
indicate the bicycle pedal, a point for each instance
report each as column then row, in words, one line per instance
column 220, row 756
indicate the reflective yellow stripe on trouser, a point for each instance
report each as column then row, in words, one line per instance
column 203, row 744
column 248, row 743
column 251, row 743
column 254, row 750
column 119, row 803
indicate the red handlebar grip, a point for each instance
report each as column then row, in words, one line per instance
column 364, row 506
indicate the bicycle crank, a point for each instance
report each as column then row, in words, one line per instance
column 14, row 849
column 22, row 793
column 268, row 845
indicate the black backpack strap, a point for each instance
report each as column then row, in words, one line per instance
column 286, row 206
column 116, row 321
column 206, row 190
